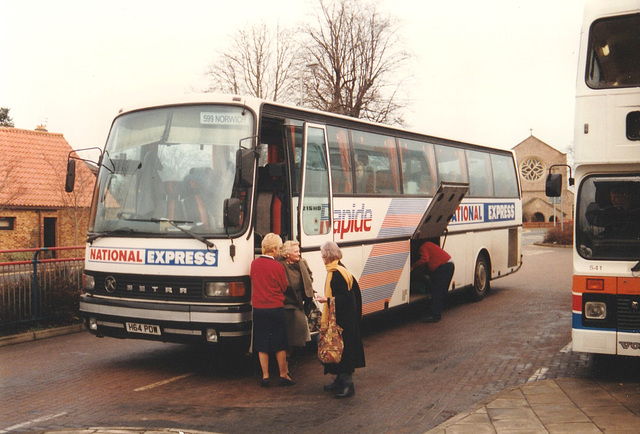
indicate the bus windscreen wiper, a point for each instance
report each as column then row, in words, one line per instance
column 176, row 224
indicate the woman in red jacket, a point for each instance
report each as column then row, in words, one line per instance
column 268, row 284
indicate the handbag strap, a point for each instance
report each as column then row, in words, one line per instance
column 332, row 310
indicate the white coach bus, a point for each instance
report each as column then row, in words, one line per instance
column 186, row 191
column 606, row 255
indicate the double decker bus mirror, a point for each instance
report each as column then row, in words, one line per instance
column 553, row 185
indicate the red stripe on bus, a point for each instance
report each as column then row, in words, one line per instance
column 577, row 302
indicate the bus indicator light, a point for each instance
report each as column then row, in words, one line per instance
column 595, row 284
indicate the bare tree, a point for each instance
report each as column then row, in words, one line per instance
column 77, row 203
column 356, row 59
column 259, row 62
column 10, row 190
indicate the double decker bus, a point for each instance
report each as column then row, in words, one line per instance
column 606, row 255
column 186, row 191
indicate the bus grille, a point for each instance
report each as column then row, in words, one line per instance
column 169, row 288
column 628, row 312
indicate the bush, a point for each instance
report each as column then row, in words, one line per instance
column 558, row 236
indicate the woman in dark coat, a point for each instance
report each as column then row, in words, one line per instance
column 343, row 287
column 298, row 294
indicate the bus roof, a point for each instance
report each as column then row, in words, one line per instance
column 595, row 9
column 256, row 104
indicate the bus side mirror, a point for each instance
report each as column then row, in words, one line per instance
column 71, row 175
column 553, row 185
column 244, row 167
column 232, row 213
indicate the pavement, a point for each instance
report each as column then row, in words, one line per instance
column 561, row 405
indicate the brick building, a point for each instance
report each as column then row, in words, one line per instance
column 534, row 159
column 35, row 210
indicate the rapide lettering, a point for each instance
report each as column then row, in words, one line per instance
column 352, row 220
column 155, row 256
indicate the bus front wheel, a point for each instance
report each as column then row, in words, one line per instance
column 481, row 279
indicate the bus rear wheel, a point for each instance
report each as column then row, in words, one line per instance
column 481, row 278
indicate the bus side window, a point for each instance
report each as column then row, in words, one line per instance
column 504, row 181
column 417, row 167
column 451, row 164
column 480, row 184
column 340, row 157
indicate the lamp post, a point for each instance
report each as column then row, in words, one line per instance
column 302, row 70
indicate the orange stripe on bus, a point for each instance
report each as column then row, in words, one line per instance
column 628, row 285
column 400, row 221
column 583, row 283
column 389, row 248
column 608, row 285
column 373, row 306
column 377, row 279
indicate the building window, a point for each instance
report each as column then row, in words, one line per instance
column 6, row 223
column 531, row 169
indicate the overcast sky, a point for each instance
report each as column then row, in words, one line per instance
column 483, row 71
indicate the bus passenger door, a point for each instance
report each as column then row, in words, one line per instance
column 315, row 210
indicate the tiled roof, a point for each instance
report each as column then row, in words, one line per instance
column 33, row 166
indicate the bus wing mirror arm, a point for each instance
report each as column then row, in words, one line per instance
column 71, row 167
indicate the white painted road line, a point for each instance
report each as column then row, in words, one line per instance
column 161, row 383
column 31, row 422
column 538, row 375
column 567, row 348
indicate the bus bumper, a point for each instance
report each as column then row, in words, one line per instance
column 606, row 342
column 166, row 322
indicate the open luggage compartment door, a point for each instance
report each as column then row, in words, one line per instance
column 435, row 219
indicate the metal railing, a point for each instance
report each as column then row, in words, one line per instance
column 40, row 288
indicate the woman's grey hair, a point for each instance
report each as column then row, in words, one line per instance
column 271, row 243
column 330, row 251
column 286, row 247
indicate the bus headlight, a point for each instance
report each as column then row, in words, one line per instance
column 224, row 289
column 88, row 282
column 595, row 310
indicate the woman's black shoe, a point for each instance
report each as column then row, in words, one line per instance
column 347, row 391
column 286, row 382
column 334, row 387
column 264, row 382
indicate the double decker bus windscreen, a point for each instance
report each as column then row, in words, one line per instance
column 609, row 226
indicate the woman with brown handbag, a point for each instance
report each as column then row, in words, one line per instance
column 343, row 288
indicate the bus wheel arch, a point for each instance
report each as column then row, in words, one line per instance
column 481, row 276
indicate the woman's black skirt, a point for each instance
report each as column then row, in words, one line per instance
column 269, row 330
